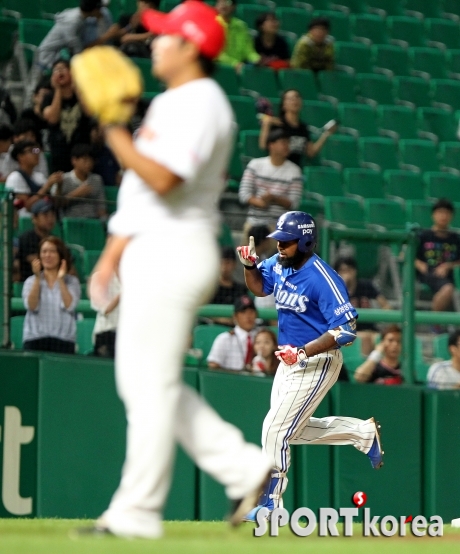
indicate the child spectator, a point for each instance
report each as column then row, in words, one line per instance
column 383, row 365
column 315, row 50
column 446, row 375
column 28, row 184
column 81, row 193
column 265, row 344
column 34, row 113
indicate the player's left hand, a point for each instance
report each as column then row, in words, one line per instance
column 290, row 355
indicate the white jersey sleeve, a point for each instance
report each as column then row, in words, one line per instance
column 16, row 182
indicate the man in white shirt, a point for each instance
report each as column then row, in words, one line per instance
column 272, row 185
column 446, row 375
column 235, row 349
column 163, row 239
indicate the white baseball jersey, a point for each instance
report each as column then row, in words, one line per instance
column 442, row 375
column 189, row 131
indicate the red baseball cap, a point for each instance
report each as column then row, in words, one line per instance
column 193, row 20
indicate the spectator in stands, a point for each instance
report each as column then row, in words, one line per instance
column 235, row 349
column 438, row 254
column 81, row 193
column 105, row 327
column 134, row 39
column 6, row 139
column 270, row 185
column 239, row 47
column 105, row 163
column 34, row 113
column 43, row 219
column 24, row 129
column 29, row 185
column 68, row 124
column 228, row 290
column 361, row 292
column 382, row 365
column 314, row 50
column 271, row 46
column 67, row 33
column 265, row 344
column 97, row 29
column 300, row 142
column 446, row 375
column 50, row 297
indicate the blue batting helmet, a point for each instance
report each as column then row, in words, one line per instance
column 296, row 226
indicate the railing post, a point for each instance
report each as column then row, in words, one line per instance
column 408, row 309
column 6, row 251
column 325, row 240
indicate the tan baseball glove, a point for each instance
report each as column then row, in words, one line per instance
column 108, row 83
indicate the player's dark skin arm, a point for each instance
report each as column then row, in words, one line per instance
column 254, row 282
column 322, row 344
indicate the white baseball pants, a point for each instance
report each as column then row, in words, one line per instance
column 296, row 394
column 165, row 277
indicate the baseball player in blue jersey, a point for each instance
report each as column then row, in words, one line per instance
column 315, row 319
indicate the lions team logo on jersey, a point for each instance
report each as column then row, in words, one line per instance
column 287, row 300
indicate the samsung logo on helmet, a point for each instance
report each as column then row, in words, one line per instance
column 305, row 226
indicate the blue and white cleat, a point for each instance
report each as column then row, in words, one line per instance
column 375, row 454
column 271, row 495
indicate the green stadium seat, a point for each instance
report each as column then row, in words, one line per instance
column 249, row 13
column 413, row 91
column 363, row 183
column 451, row 8
column 353, row 55
column 360, row 119
column 449, row 153
column 261, row 80
column 322, row 181
column 76, row 254
column 294, row 20
column 235, row 166
column 85, row 329
column 419, row 211
column 8, row 37
column 225, row 238
column 403, row 184
column 165, row 5
column 337, row 86
column 369, row 28
column 420, row 154
column 352, row 356
column 453, row 63
column 22, row 8
column 428, row 62
column 316, row 113
column 204, row 336
column 245, row 112
column 340, row 151
column 374, row 89
column 87, row 233
column 399, row 122
column 422, row 8
column 31, row 34
column 446, row 92
column 385, row 7
column 442, row 185
column 352, row 6
column 340, row 23
column 249, row 141
column 151, row 83
column 111, row 195
column 442, row 32
column 406, row 31
column 26, row 224
column 440, row 346
column 378, row 153
column 344, row 211
column 302, row 80
column 385, row 213
column 17, row 289
column 439, row 122
column 391, row 59
column 90, row 258
column 16, row 331
column 228, row 79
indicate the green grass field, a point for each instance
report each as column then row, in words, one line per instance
column 51, row 536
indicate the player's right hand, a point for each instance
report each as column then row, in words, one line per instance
column 247, row 254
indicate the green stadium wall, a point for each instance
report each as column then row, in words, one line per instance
column 62, row 431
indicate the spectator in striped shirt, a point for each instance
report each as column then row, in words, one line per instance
column 271, row 185
column 446, row 375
